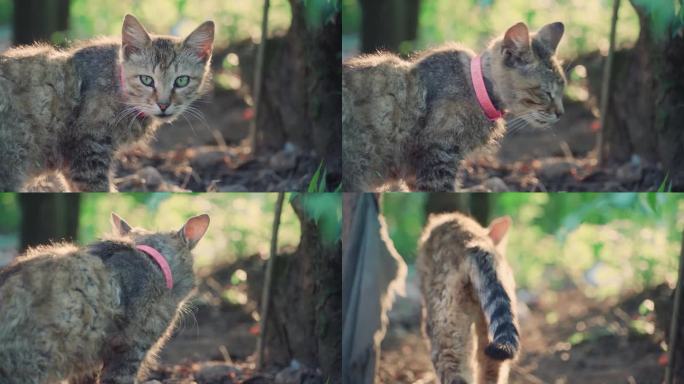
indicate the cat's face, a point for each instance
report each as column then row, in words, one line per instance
column 534, row 80
column 162, row 75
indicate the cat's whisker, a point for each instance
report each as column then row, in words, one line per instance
column 192, row 127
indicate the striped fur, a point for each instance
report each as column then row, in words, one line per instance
column 101, row 310
column 69, row 111
column 496, row 306
column 465, row 281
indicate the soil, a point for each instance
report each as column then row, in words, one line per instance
column 561, row 158
column 566, row 336
column 209, row 154
column 216, row 342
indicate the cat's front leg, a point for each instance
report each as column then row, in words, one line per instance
column 122, row 367
column 436, row 166
column 89, row 167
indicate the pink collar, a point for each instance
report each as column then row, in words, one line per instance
column 481, row 91
column 161, row 261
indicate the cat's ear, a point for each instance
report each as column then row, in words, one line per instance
column 119, row 225
column 201, row 40
column 194, row 229
column 134, row 37
column 550, row 35
column 516, row 45
column 498, row 229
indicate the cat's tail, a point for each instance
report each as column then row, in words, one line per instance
column 496, row 306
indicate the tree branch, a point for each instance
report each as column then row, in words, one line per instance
column 268, row 279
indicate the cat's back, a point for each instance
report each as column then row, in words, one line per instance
column 52, row 294
column 97, row 64
column 370, row 76
column 445, row 239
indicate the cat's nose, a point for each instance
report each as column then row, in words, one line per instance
column 163, row 106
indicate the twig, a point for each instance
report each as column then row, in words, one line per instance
column 266, row 290
column 605, row 85
column 528, row 376
column 674, row 327
column 258, row 76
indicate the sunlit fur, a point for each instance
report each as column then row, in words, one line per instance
column 532, row 88
column 97, row 310
column 70, row 111
column 411, row 121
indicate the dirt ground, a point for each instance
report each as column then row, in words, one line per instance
column 566, row 336
column 216, row 343
column 560, row 158
column 207, row 154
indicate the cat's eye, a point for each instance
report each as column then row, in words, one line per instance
column 146, row 80
column 181, row 81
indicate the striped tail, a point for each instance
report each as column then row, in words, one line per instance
column 496, row 306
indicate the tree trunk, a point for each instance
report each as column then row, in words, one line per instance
column 645, row 107
column 476, row 205
column 386, row 24
column 300, row 100
column 38, row 20
column 306, row 305
column 675, row 369
column 48, row 217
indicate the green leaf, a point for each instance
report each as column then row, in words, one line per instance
column 661, row 13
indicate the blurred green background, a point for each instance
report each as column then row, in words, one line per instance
column 235, row 20
column 241, row 223
column 601, row 243
column 475, row 22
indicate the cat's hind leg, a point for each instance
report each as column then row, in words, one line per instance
column 448, row 328
column 489, row 371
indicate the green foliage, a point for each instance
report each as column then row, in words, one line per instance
column 326, row 210
column 320, row 12
column 475, row 22
column 235, row 20
column 9, row 211
column 240, row 226
column 601, row 242
column 6, row 10
column 405, row 217
column 662, row 14
column 317, row 184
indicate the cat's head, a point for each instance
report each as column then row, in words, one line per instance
column 162, row 75
column 175, row 246
column 529, row 78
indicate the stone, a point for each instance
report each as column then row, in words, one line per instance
column 216, row 373
column 495, row 184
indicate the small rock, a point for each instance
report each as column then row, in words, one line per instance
column 283, row 160
column 629, row 172
column 495, row 184
column 153, row 382
column 216, row 373
column 553, row 168
column 209, row 158
column 232, row 188
column 151, row 177
column 297, row 374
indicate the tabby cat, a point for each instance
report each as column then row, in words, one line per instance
column 465, row 280
column 103, row 310
column 70, row 111
column 412, row 121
